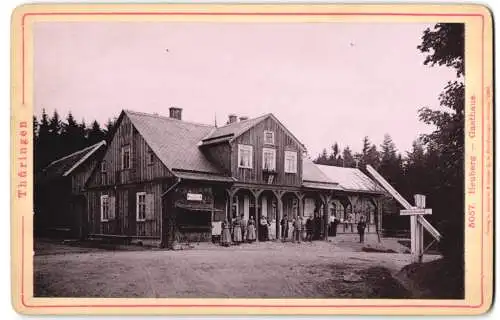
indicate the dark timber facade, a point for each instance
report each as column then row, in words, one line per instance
column 166, row 180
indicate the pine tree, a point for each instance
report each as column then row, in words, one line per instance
column 348, row 159
column 70, row 135
column 42, row 152
column 95, row 134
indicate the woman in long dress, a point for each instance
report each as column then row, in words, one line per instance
column 237, row 237
column 251, row 230
column 226, row 234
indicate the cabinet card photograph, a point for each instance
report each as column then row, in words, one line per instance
column 252, row 159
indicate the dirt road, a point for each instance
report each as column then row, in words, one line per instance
column 266, row 270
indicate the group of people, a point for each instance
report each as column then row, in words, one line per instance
column 296, row 231
column 238, row 231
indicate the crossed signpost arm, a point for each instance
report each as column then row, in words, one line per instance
column 418, row 222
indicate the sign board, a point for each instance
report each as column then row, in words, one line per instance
column 194, row 197
column 419, row 201
column 415, row 211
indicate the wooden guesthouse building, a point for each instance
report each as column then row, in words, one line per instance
column 164, row 179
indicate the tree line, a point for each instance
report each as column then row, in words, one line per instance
column 55, row 138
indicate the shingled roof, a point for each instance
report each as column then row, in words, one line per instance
column 231, row 130
column 337, row 178
column 174, row 141
column 64, row 166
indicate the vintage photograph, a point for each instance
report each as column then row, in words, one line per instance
column 248, row 160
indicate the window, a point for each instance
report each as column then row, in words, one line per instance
column 290, row 162
column 268, row 159
column 245, row 156
column 104, row 173
column 104, row 208
column 126, row 157
column 151, row 157
column 141, row 206
column 268, row 137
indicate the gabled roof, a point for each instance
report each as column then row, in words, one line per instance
column 66, row 165
column 234, row 130
column 175, row 142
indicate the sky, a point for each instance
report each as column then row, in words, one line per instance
column 326, row 82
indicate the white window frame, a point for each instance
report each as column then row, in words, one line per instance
column 104, row 200
column 265, row 135
column 138, row 206
column 244, row 147
column 124, row 148
column 103, row 166
column 294, row 155
column 271, row 151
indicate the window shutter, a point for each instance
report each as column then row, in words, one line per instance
column 111, row 205
column 150, row 206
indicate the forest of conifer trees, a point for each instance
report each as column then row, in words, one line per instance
column 55, row 137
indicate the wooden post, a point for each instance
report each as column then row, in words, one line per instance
column 300, row 198
column 256, row 194
column 419, row 229
column 325, row 199
column 279, row 212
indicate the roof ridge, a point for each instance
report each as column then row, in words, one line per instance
column 237, row 122
column 75, row 153
column 167, row 118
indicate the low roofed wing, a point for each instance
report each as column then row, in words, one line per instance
column 315, row 178
column 174, row 142
column 351, row 179
column 65, row 165
column 312, row 173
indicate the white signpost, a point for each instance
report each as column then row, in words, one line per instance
column 417, row 220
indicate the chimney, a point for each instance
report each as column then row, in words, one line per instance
column 243, row 118
column 232, row 118
column 176, row 113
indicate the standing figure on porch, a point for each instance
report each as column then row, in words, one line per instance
column 350, row 221
column 250, row 233
column 226, row 234
column 309, row 229
column 263, row 229
column 284, row 228
column 335, row 223
column 317, row 227
column 237, row 236
column 361, row 229
column 297, row 229
column 243, row 227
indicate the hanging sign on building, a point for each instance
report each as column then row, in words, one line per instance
column 194, row 197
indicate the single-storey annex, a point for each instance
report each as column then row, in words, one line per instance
column 59, row 200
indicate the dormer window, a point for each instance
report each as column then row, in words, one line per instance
column 269, row 137
column 245, row 156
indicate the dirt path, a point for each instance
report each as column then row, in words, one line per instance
column 270, row 270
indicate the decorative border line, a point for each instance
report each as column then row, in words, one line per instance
column 23, row 301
